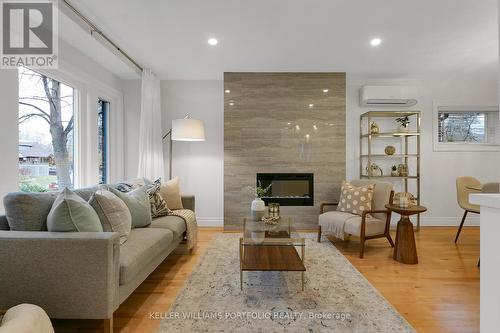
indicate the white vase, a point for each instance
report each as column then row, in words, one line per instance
column 258, row 209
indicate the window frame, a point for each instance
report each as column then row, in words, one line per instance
column 106, row 123
column 463, row 146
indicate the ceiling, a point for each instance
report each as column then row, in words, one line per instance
column 419, row 38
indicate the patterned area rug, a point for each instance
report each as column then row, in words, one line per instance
column 337, row 298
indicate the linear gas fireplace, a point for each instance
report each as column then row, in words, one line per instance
column 288, row 189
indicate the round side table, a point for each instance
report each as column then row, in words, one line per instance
column 405, row 250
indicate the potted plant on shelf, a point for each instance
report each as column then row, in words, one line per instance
column 394, row 171
column 404, row 123
column 258, row 207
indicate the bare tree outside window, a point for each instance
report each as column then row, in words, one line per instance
column 462, row 127
column 46, row 127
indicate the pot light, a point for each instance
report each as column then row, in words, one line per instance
column 227, row 91
column 375, row 42
column 297, row 127
column 325, row 90
column 288, row 124
column 315, row 127
column 311, row 106
column 231, row 103
column 212, row 41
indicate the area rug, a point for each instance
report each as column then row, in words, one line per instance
column 337, row 298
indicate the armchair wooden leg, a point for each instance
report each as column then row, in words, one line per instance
column 461, row 225
column 108, row 325
column 319, row 234
column 362, row 250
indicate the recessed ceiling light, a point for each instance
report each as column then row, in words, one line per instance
column 307, row 136
column 375, row 42
column 325, row 90
column 231, row 103
column 212, row 41
column 227, row 91
column 288, row 124
column 315, row 127
column 297, row 127
column 311, row 106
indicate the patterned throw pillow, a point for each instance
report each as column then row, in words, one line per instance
column 158, row 204
column 355, row 200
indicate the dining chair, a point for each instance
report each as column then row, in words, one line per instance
column 490, row 188
column 466, row 186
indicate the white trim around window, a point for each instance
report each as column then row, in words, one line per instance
column 460, row 146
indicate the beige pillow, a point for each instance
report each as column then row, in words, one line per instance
column 170, row 191
column 113, row 213
column 355, row 200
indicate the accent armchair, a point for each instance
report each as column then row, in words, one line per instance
column 371, row 224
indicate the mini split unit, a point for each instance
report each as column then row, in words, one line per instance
column 400, row 96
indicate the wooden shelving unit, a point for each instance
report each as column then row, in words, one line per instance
column 367, row 158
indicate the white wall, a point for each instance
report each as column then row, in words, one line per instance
column 438, row 169
column 93, row 79
column 199, row 165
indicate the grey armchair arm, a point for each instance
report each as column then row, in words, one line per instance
column 70, row 275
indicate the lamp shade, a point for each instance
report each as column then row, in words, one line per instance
column 188, row 129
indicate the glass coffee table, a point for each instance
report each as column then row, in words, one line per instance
column 267, row 247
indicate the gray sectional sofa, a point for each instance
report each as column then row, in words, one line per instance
column 81, row 275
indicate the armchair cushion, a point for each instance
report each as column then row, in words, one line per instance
column 341, row 223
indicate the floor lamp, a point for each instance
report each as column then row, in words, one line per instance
column 186, row 129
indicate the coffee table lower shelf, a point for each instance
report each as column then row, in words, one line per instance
column 284, row 258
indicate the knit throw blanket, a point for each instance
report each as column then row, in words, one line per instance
column 191, row 226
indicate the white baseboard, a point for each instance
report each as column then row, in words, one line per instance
column 210, row 221
column 424, row 221
column 444, row 221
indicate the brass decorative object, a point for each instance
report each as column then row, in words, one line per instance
column 374, row 170
column 273, row 209
column 390, row 150
column 403, row 170
column 374, row 129
column 404, row 199
column 272, row 220
column 394, row 171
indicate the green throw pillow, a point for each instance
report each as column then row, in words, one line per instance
column 137, row 202
column 70, row 212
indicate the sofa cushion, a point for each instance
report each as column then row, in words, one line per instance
column 70, row 212
column 137, row 202
column 172, row 223
column 143, row 245
column 113, row 213
column 171, row 192
column 28, row 211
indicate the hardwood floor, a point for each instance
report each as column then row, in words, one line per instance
column 440, row 294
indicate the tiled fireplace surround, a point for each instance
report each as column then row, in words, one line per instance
column 282, row 122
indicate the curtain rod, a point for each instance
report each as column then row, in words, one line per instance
column 95, row 29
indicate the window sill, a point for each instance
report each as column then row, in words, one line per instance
column 466, row 147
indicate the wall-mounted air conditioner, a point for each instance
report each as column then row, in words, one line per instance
column 398, row 96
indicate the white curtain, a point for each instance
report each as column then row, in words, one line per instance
column 150, row 130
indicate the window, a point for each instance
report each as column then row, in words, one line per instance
column 466, row 128
column 102, row 130
column 46, row 132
